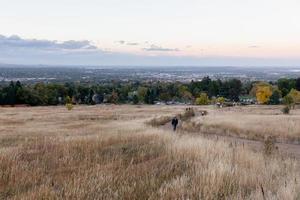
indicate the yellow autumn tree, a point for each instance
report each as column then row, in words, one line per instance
column 263, row 93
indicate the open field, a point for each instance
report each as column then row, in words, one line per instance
column 252, row 122
column 108, row 152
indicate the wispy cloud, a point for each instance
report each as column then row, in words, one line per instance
column 254, row 46
column 123, row 42
column 132, row 43
column 159, row 48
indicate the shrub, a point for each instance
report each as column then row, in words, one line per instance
column 286, row 110
column 68, row 100
column 69, row 106
column 188, row 114
column 269, row 145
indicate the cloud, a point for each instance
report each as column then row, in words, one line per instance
column 123, row 42
column 72, row 44
column 15, row 42
column 132, row 43
column 159, row 48
column 120, row 42
column 254, row 46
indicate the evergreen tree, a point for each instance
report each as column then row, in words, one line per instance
column 298, row 84
column 149, row 97
column 275, row 98
column 135, row 99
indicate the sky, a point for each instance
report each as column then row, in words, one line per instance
column 150, row 32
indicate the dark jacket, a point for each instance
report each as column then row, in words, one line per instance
column 174, row 121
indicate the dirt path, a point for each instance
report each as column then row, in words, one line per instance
column 291, row 150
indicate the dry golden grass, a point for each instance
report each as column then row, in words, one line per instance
column 253, row 122
column 108, row 152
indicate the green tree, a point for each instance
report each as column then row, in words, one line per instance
column 135, row 99
column 285, row 85
column 298, row 84
column 214, row 88
column 150, row 97
column 295, row 94
column 231, row 89
column 185, row 94
column 275, row 97
column 10, row 94
column 142, row 91
column 288, row 101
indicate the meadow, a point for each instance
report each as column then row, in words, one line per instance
column 251, row 122
column 111, row 152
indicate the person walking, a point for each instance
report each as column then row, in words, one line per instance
column 174, row 123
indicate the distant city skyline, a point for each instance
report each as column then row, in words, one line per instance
column 151, row 32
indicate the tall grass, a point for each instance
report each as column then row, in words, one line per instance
column 125, row 159
column 252, row 123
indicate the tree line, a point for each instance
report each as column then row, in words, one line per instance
column 135, row 92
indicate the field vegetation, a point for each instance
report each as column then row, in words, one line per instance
column 110, row 152
column 252, row 122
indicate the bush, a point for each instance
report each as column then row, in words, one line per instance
column 188, row 113
column 69, row 106
column 68, row 100
column 269, row 145
column 286, row 110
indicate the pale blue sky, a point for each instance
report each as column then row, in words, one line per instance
column 190, row 32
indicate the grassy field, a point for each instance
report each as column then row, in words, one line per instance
column 109, row 152
column 252, row 122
